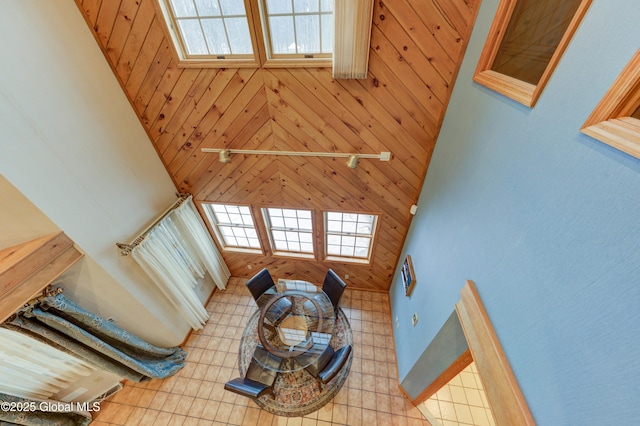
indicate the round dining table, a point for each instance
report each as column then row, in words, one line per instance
column 300, row 332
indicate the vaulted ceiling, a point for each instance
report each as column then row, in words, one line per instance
column 416, row 50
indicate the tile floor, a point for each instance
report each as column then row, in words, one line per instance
column 195, row 396
column 461, row 402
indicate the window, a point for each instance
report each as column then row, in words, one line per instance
column 245, row 33
column 210, row 30
column 349, row 236
column 525, row 44
column 616, row 119
column 298, row 28
column 290, row 231
column 233, row 226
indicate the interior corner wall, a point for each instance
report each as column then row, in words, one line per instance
column 72, row 145
column 545, row 221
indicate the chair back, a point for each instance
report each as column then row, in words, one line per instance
column 259, row 283
column 333, row 286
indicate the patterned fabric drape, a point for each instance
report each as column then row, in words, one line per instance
column 40, row 418
column 89, row 337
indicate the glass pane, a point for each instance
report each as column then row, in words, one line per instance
column 244, row 210
column 294, row 246
column 308, row 32
column 364, row 228
column 216, row 36
column 246, row 220
column 232, row 209
column 251, row 233
column 289, row 213
column 182, row 8
column 292, row 236
column 334, row 216
column 281, row 245
column 232, row 7
column 208, row 7
column 361, row 252
column 327, row 33
column 532, row 37
column 239, row 36
column 226, row 230
column 274, row 212
column 326, row 5
column 222, row 218
column 349, row 227
column 254, row 243
column 277, row 222
column 333, row 239
column 193, row 38
column 279, row 235
column 279, row 6
column 333, row 250
column 230, row 240
column 239, row 232
column 291, row 222
column 334, row 226
column 236, row 219
column 218, row 208
column 348, row 241
column 346, row 251
column 305, row 6
column 282, row 34
column 305, row 237
column 243, row 242
column 305, row 224
column 306, row 247
column 362, row 242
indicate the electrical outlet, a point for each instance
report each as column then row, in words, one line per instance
column 414, row 319
column 112, row 320
column 397, row 322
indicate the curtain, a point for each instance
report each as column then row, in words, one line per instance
column 32, row 369
column 96, row 341
column 178, row 252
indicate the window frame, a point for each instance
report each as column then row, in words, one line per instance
column 272, row 60
column 173, row 33
column 261, row 57
column 611, row 121
column 266, row 217
column 349, row 259
column 518, row 90
column 212, row 223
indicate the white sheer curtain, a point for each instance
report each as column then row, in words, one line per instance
column 176, row 253
column 35, row 370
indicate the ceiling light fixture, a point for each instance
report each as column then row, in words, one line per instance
column 352, row 162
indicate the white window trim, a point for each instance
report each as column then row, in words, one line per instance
column 212, row 221
column 350, row 259
column 287, row 253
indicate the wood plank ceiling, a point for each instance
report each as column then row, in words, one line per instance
column 416, row 50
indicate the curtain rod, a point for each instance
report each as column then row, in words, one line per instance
column 125, row 249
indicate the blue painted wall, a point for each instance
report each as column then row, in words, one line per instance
column 546, row 221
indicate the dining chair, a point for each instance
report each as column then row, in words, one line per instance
column 259, row 379
column 329, row 364
column 333, row 287
column 258, row 285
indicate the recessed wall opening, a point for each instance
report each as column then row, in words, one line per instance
column 467, row 339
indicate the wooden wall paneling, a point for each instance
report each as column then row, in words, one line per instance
column 411, row 81
column 383, row 126
column 106, row 20
column 153, row 51
column 409, row 52
column 416, row 49
column 90, row 10
column 422, row 36
column 223, row 92
column 121, row 28
column 137, row 35
column 173, row 100
column 414, row 107
column 200, row 88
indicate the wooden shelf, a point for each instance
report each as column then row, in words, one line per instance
column 28, row 268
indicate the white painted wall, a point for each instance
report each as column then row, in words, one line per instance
column 72, row 145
